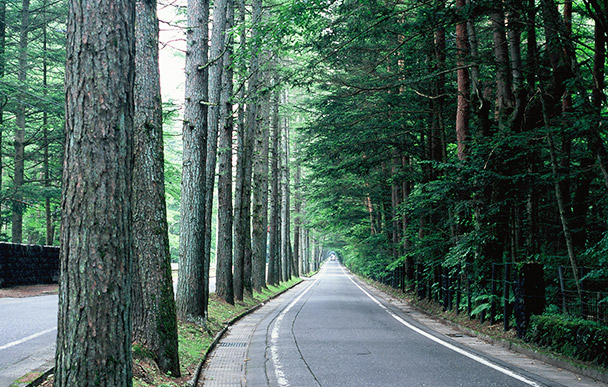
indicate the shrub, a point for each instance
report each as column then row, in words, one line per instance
column 577, row 338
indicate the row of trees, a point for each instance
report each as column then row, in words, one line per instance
column 459, row 134
column 116, row 285
column 32, row 60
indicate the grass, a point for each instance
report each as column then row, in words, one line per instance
column 195, row 340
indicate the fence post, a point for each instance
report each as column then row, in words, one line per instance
column 583, row 305
column 529, row 295
column 450, row 290
column 458, row 288
column 469, row 297
column 493, row 296
column 505, row 296
column 562, row 287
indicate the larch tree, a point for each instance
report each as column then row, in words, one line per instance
column 20, row 114
column 224, row 281
column 192, row 282
column 259, row 156
column 216, row 68
column 154, row 318
column 274, row 229
column 242, row 189
column 94, row 320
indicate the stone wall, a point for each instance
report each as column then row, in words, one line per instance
column 28, row 264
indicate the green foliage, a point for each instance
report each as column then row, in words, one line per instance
column 582, row 339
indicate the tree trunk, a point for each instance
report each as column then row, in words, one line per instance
column 255, row 116
column 94, row 320
column 216, row 68
column 504, row 87
column 291, row 267
column 274, row 270
column 19, row 159
column 241, row 219
column 463, row 109
column 297, row 228
column 2, row 73
column 154, row 318
column 224, row 287
column 192, row 288
column 45, row 135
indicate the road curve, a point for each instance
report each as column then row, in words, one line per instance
column 334, row 332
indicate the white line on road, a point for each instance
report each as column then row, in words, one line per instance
column 274, row 337
column 31, row 337
column 445, row 343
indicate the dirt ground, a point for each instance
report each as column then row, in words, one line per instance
column 28, row 291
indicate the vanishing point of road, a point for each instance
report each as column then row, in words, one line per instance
column 335, row 331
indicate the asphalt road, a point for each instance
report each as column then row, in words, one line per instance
column 28, row 329
column 334, row 333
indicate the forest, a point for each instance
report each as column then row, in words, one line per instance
column 445, row 148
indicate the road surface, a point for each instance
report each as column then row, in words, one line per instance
column 335, row 332
column 28, row 329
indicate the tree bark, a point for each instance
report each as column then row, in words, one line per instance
column 274, row 270
column 216, row 68
column 94, row 322
column 297, row 228
column 19, row 159
column 463, row 108
column 241, row 219
column 45, row 134
column 259, row 207
column 154, row 318
column 224, row 287
column 192, row 284
column 504, row 87
column 2, row 73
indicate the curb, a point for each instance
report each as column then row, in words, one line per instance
column 221, row 333
column 555, row 361
column 40, row 378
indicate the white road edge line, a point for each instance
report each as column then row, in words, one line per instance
column 446, row 344
column 31, row 337
column 274, row 336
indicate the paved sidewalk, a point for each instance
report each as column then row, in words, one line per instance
column 227, row 364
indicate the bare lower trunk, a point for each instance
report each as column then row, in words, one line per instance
column 224, row 287
column 192, row 292
column 94, row 323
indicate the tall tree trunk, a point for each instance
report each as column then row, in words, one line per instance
column 504, row 87
column 297, row 222
column 259, row 130
column 94, row 320
column 241, row 219
column 2, row 73
column 224, row 287
column 514, row 36
column 463, row 108
column 216, row 68
column 192, row 289
column 259, row 210
column 287, row 252
column 274, row 270
column 154, row 318
column 19, row 159
column 45, row 134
